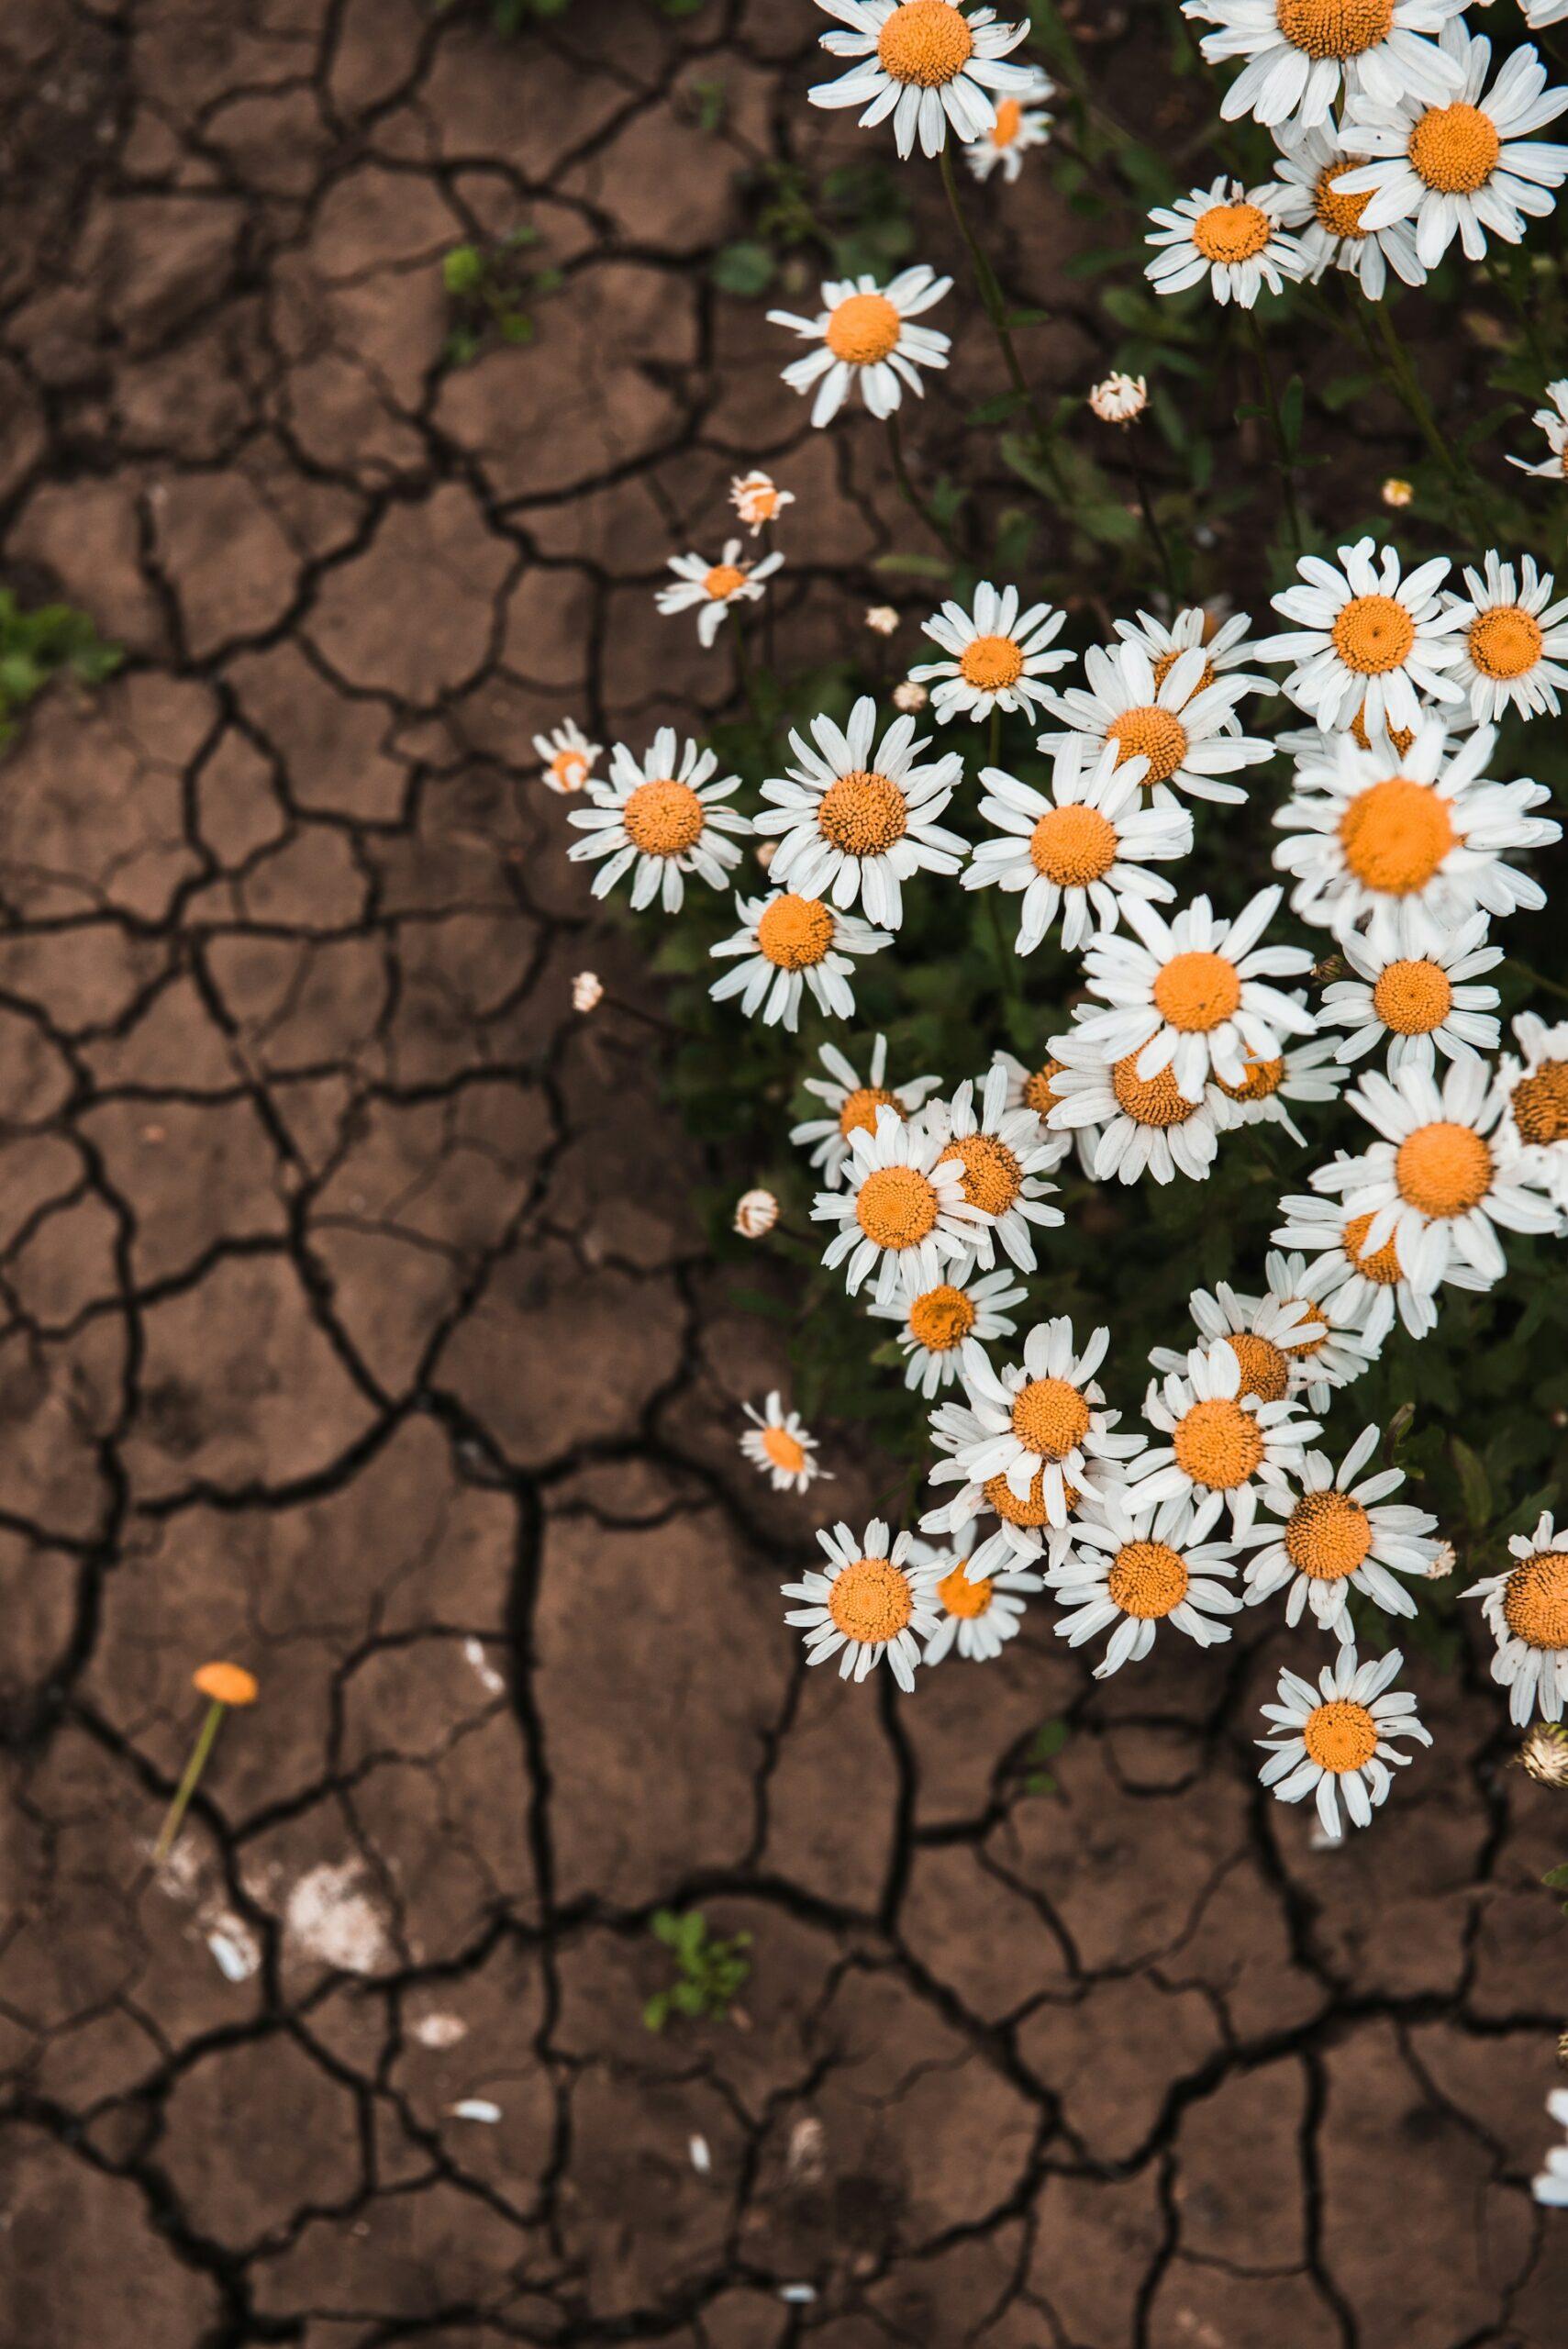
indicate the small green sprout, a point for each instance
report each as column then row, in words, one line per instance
column 38, row 645
column 1043, row 1746
column 710, row 1973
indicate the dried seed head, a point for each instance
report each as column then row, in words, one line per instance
column 1543, row 1756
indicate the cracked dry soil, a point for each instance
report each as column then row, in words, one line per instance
column 356, row 1323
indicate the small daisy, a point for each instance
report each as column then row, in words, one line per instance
column 1359, row 1287
column 1367, row 643
column 1553, row 422
column 1138, row 1126
column 1002, row 1154
column 1332, row 232
column 1514, row 642
column 1535, row 1121
column 1304, row 1070
column 713, row 587
column 1043, row 1417
column 1549, row 2186
column 1119, row 398
column 934, row 1327
column 1222, row 1439
column 1338, row 1536
column 1191, row 995
column 976, row 1614
column 864, row 337
column 664, row 818
column 1077, row 846
column 1229, row 233
column 1182, row 726
column 566, row 756
column 780, row 1447
column 758, row 499
column 1300, row 52
column 1020, row 124
column 998, row 653
column 1423, row 827
column 1461, row 164
column 927, row 64
column 855, row 828
column 790, row 942
column 871, row 1601
column 852, row 1106
column 1285, row 1342
column 1024, row 1534
column 1339, row 1736
column 902, row 1212
column 1526, row 1609
column 1439, row 1180
column 1031, row 1088
column 1223, row 643
column 1414, row 989
column 1119, row 1575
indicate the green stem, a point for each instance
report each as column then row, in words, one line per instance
column 187, row 1784
column 1157, row 537
column 1538, row 978
column 1006, row 961
column 1406, row 382
column 996, row 308
column 1497, row 270
column 743, row 670
column 912, row 495
column 1270, row 401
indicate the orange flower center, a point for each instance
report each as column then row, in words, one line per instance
column 896, row 1207
column 1050, row 1417
column 991, row 1174
column 1396, row 834
column 1454, row 148
column 942, row 1319
column 1400, row 736
column 784, row 1450
column 1504, row 642
column 1373, row 635
column 1535, row 1600
column 1232, row 233
column 662, row 818
column 226, row 1684
column 990, row 662
column 926, row 42
column 1218, row 1444
column 1073, row 846
column 569, row 769
column 1541, row 1103
column 1151, row 733
column 1339, row 1736
column 1335, row 28
column 1195, row 992
column 1341, row 215
column 1149, row 1101
column 1381, row 1268
column 1147, row 1579
column 1261, row 1079
column 1305, row 1346
column 795, row 931
column 1009, row 116
column 1166, row 662
column 1000, row 1497
column 963, row 1597
column 1412, row 999
column 1038, row 1097
column 723, row 580
column 862, row 328
column 858, row 1114
column 870, row 1600
column 1265, row 1373
column 864, row 813
column 1327, row 1535
column 1443, row 1169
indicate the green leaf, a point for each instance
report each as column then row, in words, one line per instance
column 656, row 2011
column 462, row 271
column 743, row 268
column 1474, row 1485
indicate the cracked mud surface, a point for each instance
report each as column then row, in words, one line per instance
column 356, row 1323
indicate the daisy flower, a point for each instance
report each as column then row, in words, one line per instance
column 1526, row 1609
column 1368, row 641
column 977, row 1614
column 1223, row 1438
column 1535, row 1121
column 1002, row 1154
column 997, row 654
column 1043, row 1417
column 869, row 1602
column 664, row 817
column 1337, row 1738
column 1338, row 1536
column 934, row 1327
column 1020, row 124
column 1422, row 828
column 1024, row 1534
column 926, row 63
column 1359, row 1287
column 713, row 587
column 1191, row 995
column 1118, row 1575
column 758, row 499
column 1440, row 1181
column 1329, row 226
column 856, row 826
column 781, row 1448
column 902, row 1212
column 852, row 1105
column 1413, row 989
column 1550, row 2185
column 1119, row 398
column 1460, row 163
column 1300, row 52
column 1553, row 422
column 1031, row 1088
column 1514, row 640
column 1181, row 725
column 789, row 942
column 566, row 756
column 1224, row 644
column 1304, row 1070
column 1285, row 1342
column 1138, row 1126
column 1075, row 848
column 1229, row 233
column 864, row 337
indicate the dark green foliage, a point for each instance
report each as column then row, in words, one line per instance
column 710, row 1972
column 490, row 287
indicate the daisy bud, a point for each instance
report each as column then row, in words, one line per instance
column 1543, row 1756
column 883, row 618
column 767, row 852
column 1443, row 1561
column 587, row 991
column 909, row 696
column 1120, row 398
column 1396, row 492
column 758, row 499
column 756, row 1212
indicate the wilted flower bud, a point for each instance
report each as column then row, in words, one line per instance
column 587, row 991
column 1543, row 1756
column 1443, row 1560
column 756, row 1212
column 1120, row 398
column 909, row 696
column 1396, row 492
column 883, row 618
